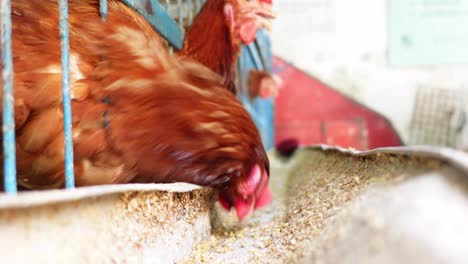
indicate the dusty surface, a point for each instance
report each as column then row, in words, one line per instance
column 333, row 208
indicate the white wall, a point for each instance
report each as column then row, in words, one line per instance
column 344, row 44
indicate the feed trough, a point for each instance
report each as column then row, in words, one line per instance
column 395, row 205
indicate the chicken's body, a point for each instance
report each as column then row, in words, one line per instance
column 122, row 61
column 139, row 114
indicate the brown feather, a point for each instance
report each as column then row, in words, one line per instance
column 220, row 55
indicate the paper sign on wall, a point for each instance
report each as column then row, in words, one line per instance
column 428, row 32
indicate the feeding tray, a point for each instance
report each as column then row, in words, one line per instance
column 393, row 205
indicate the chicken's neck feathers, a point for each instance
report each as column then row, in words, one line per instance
column 209, row 40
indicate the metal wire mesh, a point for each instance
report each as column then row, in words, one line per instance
column 439, row 117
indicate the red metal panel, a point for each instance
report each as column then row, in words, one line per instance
column 304, row 103
column 307, row 132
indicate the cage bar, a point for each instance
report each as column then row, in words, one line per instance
column 181, row 14
column 189, row 12
column 197, row 5
column 253, row 52
column 103, row 9
column 168, row 5
column 67, row 114
column 8, row 111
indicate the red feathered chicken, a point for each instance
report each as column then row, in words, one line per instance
column 234, row 23
column 139, row 114
column 233, row 29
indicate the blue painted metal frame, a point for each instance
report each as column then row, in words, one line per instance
column 8, row 113
column 159, row 20
column 67, row 111
column 258, row 56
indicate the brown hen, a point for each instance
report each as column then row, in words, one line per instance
column 139, row 114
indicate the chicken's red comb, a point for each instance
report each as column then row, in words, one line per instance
column 267, row 1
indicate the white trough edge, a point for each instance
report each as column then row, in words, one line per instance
column 456, row 158
column 43, row 197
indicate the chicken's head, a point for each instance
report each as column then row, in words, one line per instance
column 247, row 193
column 246, row 17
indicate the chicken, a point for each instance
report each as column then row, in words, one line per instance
column 263, row 84
column 234, row 23
column 139, row 114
